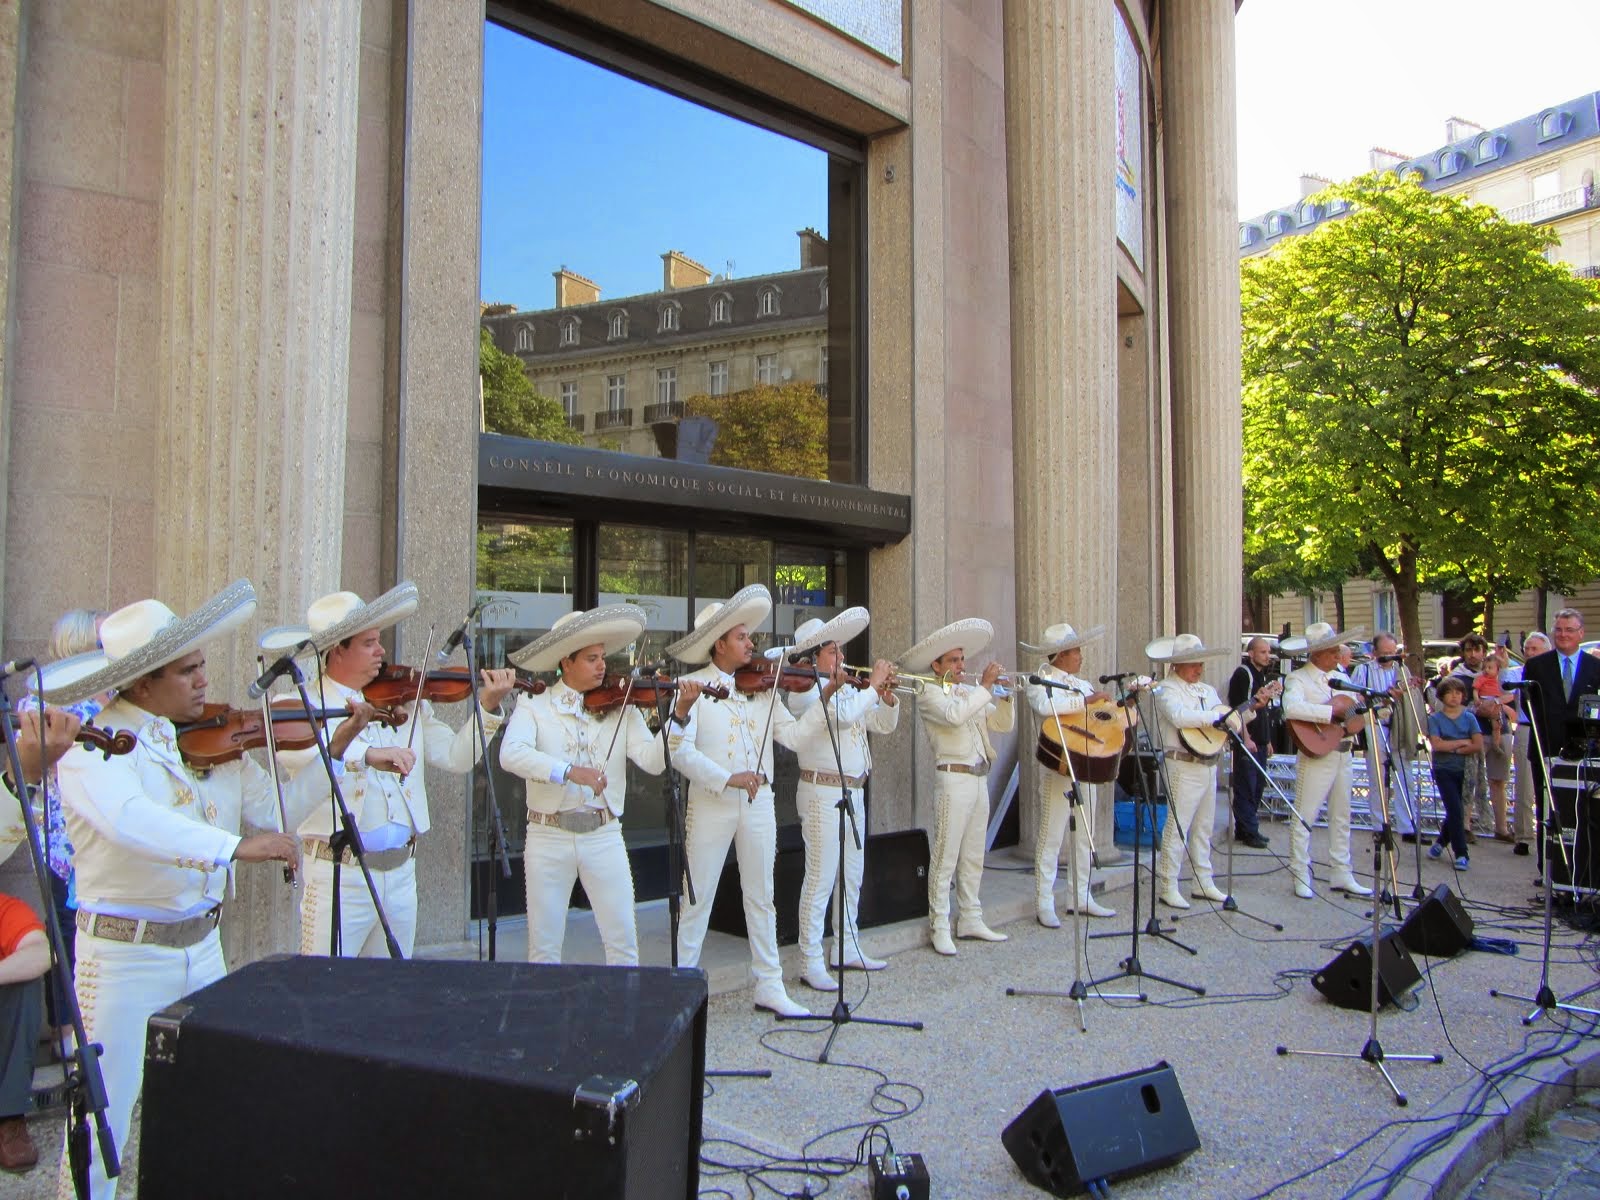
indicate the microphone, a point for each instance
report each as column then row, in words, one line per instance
column 1388, row 658
column 1340, row 685
column 283, row 666
column 1117, row 678
column 17, row 666
column 803, row 657
column 1041, row 681
column 453, row 642
column 1516, row 685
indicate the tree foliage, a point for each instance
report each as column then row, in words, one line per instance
column 1419, row 400
column 510, row 405
column 765, row 428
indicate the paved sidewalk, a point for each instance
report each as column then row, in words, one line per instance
column 1559, row 1162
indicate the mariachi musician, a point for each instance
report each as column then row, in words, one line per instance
column 1322, row 773
column 574, row 758
column 1062, row 648
column 1188, row 708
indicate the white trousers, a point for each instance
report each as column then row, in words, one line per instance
column 961, row 822
column 360, row 935
column 819, row 823
column 119, row 986
column 1193, row 805
column 552, row 859
column 1054, row 811
column 711, row 823
column 1527, row 800
column 1319, row 781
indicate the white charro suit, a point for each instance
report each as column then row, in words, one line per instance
column 153, row 841
column 725, row 737
column 1193, row 780
column 1318, row 781
column 545, row 736
column 390, row 812
column 852, row 714
column 958, row 724
column 1054, row 808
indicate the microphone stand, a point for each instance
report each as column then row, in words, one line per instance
column 1383, row 893
column 1403, row 789
column 347, row 834
column 1079, row 989
column 1132, row 968
column 85, row 1082
column 497, row 830
column 841, row 1014
column 1373, row 1052
column 1544, row 998
column 1231, row 905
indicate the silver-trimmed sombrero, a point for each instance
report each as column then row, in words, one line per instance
column 1185, row 648
column 143, row 637
column 1062, row 637
column 841, row 628
column 611, row 625
column 341, row 615
column 748, row 606
column 972, row 634
column 1320, row 636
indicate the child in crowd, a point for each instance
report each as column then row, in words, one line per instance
column 1454, row 735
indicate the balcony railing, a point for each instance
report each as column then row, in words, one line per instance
column 575, row 421
column 1572, row 200
column 616, row 418
column 667, row 410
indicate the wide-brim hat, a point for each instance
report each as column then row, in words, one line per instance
column 1320, row 636
column 841, row 628
column 611, row 626
column 1062, row 637
column 340, row 615
column 1185, row 648
column 972, row 634
column 142, row 637
column 747, row 606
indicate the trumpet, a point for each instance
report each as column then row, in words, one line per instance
column 902, row 685
column 1000, row 691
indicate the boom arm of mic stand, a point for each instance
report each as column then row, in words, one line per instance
column 1238, row 744
column 87, row 1081
column 349, row 831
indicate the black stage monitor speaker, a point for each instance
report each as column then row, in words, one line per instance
column 316, row 1077
column 1439, row 928
column 1105, row 1130
column 1347, row 980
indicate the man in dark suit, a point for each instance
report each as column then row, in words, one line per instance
column 1562, row 675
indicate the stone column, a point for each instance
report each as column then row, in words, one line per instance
column 257, row 221
column 1197, row 75
column 1060, row 150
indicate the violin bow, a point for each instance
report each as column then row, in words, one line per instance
column 290, row 875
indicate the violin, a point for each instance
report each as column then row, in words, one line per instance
column 763, row 674
column 223, row 734
column 398, row 684
column 616, row 690
column 95, row 738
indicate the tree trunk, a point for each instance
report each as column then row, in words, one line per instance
column 1541, row 607
column 1338, row 607
column 1407, row 598
column 1488, row 609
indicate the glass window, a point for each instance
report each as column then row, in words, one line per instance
column 767, row 369
column 524, row 337
column 761, row 246
column 616, row 393
column 666, row 385
column 569, row 397
column 1546, row 185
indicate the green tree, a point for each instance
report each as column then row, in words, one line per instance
column 766, row 428
column 1420, row 391
column 510, row 405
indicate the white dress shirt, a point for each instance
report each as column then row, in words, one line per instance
column 852, row 713
column 549, row 734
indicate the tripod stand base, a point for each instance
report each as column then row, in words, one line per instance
column 1545, row 1002
column 1374, row 1054
column 842, row 1016
column 1133, row 969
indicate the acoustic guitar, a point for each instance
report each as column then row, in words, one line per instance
column 1208, row 742
column 1316, row 738
column 1093, row 739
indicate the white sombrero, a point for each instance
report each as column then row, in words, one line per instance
column 748, row 606
column 611, row 626
column 1185, row 648
column 143, row 637
column 972, row 634
column 341, row 615
column 1062, row 637
column 1320, row 636
column 842, row 628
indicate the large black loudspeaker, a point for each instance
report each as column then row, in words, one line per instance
column 1105, row 1130
column 1347, row 980
column 1439, row 928
column 316, row 1077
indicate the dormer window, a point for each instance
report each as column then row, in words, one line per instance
column 669, row 317
column 1490, row 147
column 525, row 337
column 1310, row 213
column 1249, row 235
column 767, row 302
column 721, row 308
column 824, row 287
column 617, row 325
column 1451, row 162
column 569, row 331
column 1553, row 123
column 1277, row 223
column 1411, row 173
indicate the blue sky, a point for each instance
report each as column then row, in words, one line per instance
column 588, row 169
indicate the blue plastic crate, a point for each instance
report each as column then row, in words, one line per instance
column 1125, row 827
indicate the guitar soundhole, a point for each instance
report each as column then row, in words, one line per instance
column 1102, row 716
